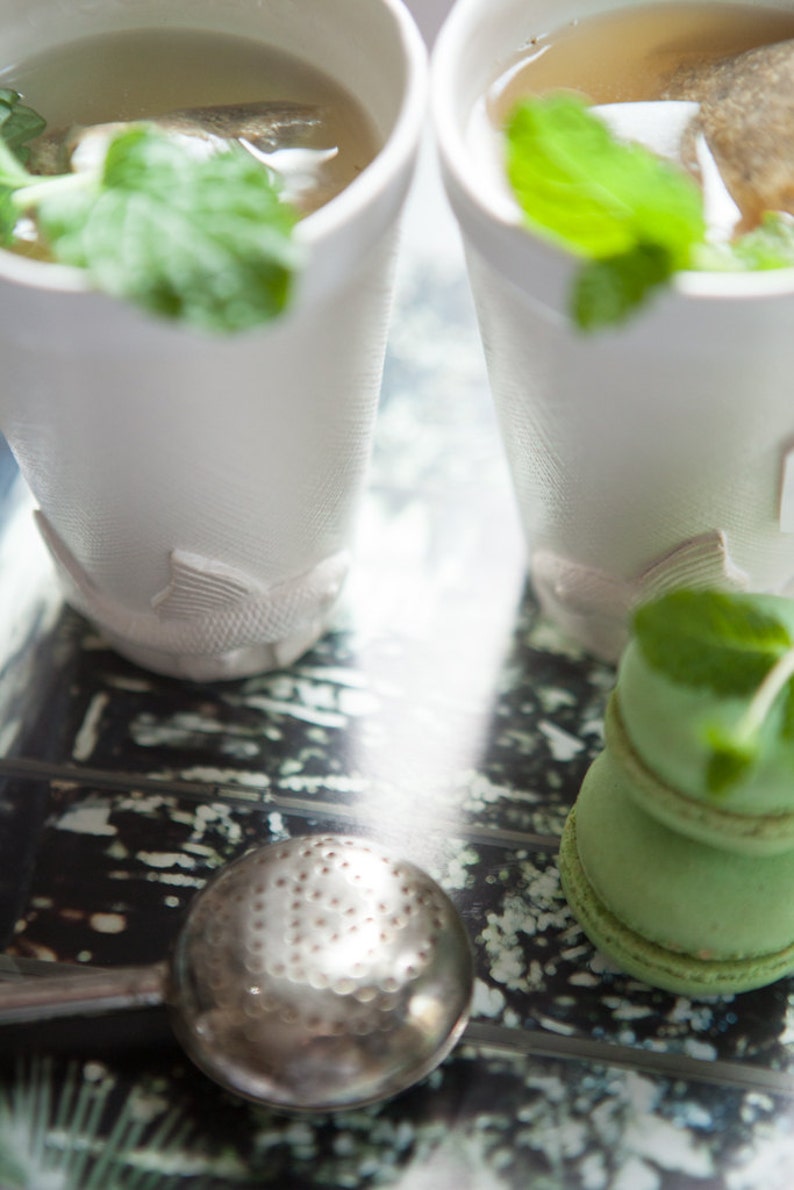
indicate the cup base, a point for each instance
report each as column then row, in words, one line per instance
column 212, row 620
column 245, row 662
column 593, row 606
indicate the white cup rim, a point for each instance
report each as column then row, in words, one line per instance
column 481, row 208
column 317, row 228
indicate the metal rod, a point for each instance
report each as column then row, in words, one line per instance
column 85, row 993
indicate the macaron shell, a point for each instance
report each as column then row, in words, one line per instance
column 712, row 821
column 654, row 964
column 681, row 894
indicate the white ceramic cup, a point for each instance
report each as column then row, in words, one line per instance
column 656, row 455
column 198, row 493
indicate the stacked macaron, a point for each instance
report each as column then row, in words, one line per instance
column 678, row 857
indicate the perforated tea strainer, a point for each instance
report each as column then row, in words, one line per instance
column 315, row 974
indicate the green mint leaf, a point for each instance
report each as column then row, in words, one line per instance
column 205, row 241
column 596, row 195
column 604, row 199
column 787, row 718
column 18, row 123
column 710, row 639
column 12, row 176
column 608, row 291
column 8, row 216
column 730, row 760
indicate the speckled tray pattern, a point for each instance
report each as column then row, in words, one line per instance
column 442, row 716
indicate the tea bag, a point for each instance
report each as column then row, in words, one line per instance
column 747, row 118
column 282, row 136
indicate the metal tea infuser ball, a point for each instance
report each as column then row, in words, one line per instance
column 316, row 974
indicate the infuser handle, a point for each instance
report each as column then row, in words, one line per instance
column 76, row 991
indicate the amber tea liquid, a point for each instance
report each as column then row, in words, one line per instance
column 631, row 54
column 145, row 73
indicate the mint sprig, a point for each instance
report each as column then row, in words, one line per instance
column 633, row 217
column 730, row 646
column 205, row 241
column 768, row 246
column 19, row 124
column 612, row 202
